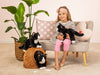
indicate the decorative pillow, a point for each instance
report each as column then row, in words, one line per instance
column 45, row 28
column 87, row 32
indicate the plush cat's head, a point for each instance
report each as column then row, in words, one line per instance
column 60, row 27
column 35, row 36
column 40, row 57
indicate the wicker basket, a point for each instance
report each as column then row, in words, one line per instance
column 18, row 52
column 28, row 58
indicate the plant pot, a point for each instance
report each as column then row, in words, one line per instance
column 19, row 52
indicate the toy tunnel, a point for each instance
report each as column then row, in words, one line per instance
column 28, row 58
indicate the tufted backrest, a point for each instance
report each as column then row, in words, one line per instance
column 88, row 23
column 47, row 28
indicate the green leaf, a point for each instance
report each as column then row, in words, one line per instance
column 30, row 28
column 28, row 2
column 9, row 28
column 21, row 25
column 27, row 15
column 14, row 38
column 35, row 1
column 11, row 9
column 26, row 32
column 8, row 20
column 22, row 39
column 19, row 16
column 40, row 11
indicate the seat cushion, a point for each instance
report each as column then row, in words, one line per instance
column 77, row 47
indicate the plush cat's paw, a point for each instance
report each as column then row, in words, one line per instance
column 73, row 41
column 61, row 40
column 39, row 46
column 42, row 67
column 24, row 50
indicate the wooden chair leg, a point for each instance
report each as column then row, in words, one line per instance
column 67, row 53
column 86, row 55
column 77, row 54
column 84, row 58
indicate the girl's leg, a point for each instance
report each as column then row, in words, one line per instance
column 63, row 58
column 66, row 44
column 57, row 49
column 56, row 60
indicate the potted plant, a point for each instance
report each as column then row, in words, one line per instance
column 20, row 23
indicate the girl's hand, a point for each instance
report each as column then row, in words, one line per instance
column 68, row 37
column 60, row 37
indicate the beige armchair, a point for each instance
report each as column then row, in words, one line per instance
column 79, row 46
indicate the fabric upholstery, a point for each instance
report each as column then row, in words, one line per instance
column 46, row 29
column 79, row 46
column 81, row 26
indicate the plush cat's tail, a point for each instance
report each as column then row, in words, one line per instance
column 78, row 34
column 21, row 47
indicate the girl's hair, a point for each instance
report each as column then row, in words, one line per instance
column 68, row 15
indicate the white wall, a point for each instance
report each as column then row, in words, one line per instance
column 81, row 10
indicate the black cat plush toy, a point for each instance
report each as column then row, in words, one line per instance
column 70, row 31
column 40, row 59
column 32, row 42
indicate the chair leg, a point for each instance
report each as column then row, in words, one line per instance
column 77, row 54
column 86, row 55
column 67, row 53
column 84, row 58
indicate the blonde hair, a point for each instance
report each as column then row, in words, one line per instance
column 68, row 15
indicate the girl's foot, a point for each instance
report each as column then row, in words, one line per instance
column 63, row 59
column 61, row 64
column 57, row 67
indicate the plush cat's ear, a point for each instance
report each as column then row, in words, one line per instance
column 33, row 33
column 38, row 33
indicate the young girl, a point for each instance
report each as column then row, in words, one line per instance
column 64, row 18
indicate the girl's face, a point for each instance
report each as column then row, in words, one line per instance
column 62, row 15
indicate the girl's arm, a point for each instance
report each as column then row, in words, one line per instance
column 67, row 36
column 60, row 36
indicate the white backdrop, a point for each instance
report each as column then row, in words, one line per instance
column 81, row 10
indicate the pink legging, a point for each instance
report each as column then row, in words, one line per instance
column 66, row 44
